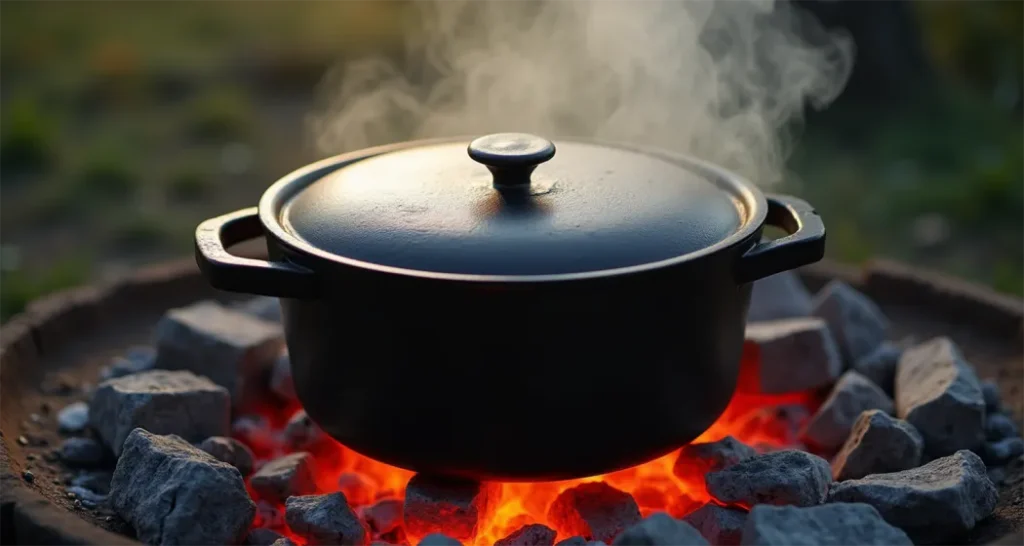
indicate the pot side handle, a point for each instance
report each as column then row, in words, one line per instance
column 225, row 271
column 804, row 245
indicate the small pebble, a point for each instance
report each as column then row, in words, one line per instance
column 997, row 453
column 990, row 393
column 29, row 476
column 30, row 457
column 74, row 417
column 23, row 440
column 81, row 451
column 999, row 426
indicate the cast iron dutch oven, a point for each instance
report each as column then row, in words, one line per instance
column 517, row 314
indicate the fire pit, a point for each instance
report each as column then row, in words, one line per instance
column 55, row 483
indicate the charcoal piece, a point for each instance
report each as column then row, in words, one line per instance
column 325, row 519
column 990, row 393
column 383, row 516
column 574, row 541
column 999, row 426
column 1002, row 451
column 174, row 493
column 438, row 539
column 281, row 382
column 73, row 418
column 793, row 355
column 454, row 506
column 779, row 296
column 269, row 515
column 660, row 528
column 839, row 524
column 302, row 433
column 226, row 346
column 283, row 541
column 878, row 444
column 262, row 537
column 161, row 402
column 284, row 477
column 782, row 477
column 230, row 451
column 720, row 525
column 880, row 366
column 936, row 502
column 255, row 431
column 831, row 424
column 97, row 481
column 857, row 324
column 262, row 307
column 696, row 460
column 81, row 451
column 136, row 360
column 594, row 510
column 783, row 423
column 534, row 534
column 358, row 488
column 938, row 392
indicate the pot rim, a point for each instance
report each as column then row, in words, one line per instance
column 281, row 191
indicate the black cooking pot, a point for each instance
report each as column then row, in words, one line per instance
column 520, row 324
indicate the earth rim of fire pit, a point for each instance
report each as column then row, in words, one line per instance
column 27, row 517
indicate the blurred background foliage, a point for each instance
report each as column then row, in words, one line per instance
column 124, row 124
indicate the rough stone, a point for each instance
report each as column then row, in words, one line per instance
column 831, row 424
column 782, row 477
column 384, row 516
column 594, row 510
column 999, row 426
column 89, row 498
column 720, row 525
column 284, row 477
column 230, row 451
column 283, row 541
column 792, row 355
column 262, row 537
column 779, row 296
column 438, row 539
column 857, row 324
column 161, row 402
column 534, row 534
column 281, row 382
column 135, row 360
column 97, row 481
column 696, row 460
column 261, row 307
column 880, row 366
column 74, row 417
column 207, row 338
column 878, row 444
column 990, row 393
column 938, row 393
column 839, row 524
column 660, row 528
column 174, row 493
column 82, row 451
column 1002, row 451
column 574, row 541
column 325, row 519
column 455, row 506
column 935, row 502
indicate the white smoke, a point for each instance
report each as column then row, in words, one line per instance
column 724, row 80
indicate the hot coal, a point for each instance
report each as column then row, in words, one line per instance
column 530, row 535
column 696, row 460
column 438, row 539
column 720, row 525
column 839, row 524
column 136, row 360
column 784, row 422
column 302, row 433
column 779, row 296
column 831, row 424
column 284, row 477
column 230, row 451
column 161, row 402
column 938, row 392
column 81, row 451
column 359, row 489
column 269, row 515
column 855, row 321
column 325, row 519
column 453, row 506
column 880, row 366
column 936, row 502
column 262, row 537
column 594, row 510
column 878, row 444
column 174, row 493
column 74, row 417
column 383, row 516
column 793, row 355
column 660, row 529
column 783, row 477
column 281, row 382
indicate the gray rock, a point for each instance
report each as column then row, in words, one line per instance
column 938, row 393
column 839, row 524
column 230, row 451
column 696, row 460
column 794, row 355
column 990, row 393
column 779, row 296
column 999, row 426
column 719, row 525
column 856, row 322
column 97, row 481
column 660, row 529
column 782, row 477
column 174, row 493
column 325, row 519
column 74, row 417
column 594, row 510
column 438, row 539
column 285, row 477
column 1002, row 451
column 831, row 424
column 935, row 502
column 229, row 347
column 383, row 516
column 161, row 402
column 878, row 444
column 573, row 541
column 455, row 505
column 262, row 537
column 81, row 451
column 283, row 541
column 136, row 360
column 534, row 534
column 261, row 307
column 281, row 382
column 880, row 366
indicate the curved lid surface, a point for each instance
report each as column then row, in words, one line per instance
column 515, row 204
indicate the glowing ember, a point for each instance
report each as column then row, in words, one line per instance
column 752, row 419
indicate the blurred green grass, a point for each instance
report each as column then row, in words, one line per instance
column 123, row 124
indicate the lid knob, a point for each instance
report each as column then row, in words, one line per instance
column 511, row 157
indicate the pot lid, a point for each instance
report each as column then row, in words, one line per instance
column 517, row 205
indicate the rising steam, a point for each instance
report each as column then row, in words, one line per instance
column 725, row 81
